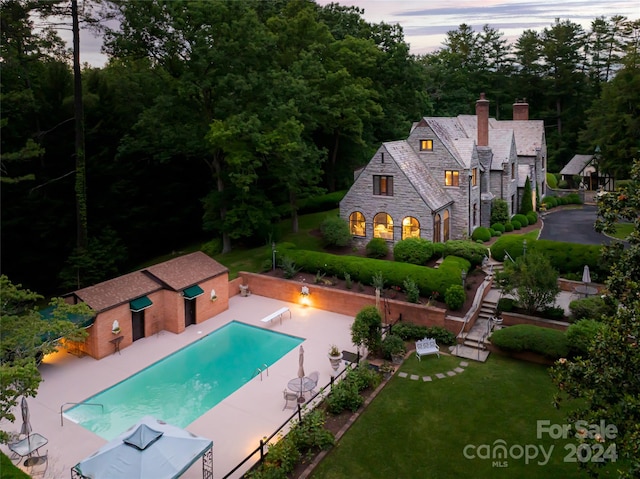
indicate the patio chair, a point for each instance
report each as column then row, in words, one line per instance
column 314, row 376
column 289, row 396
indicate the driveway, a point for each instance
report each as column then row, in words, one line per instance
column 573, row 225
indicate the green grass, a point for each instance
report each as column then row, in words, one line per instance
column 420, row 429
column 8, row 469
column 623, row 230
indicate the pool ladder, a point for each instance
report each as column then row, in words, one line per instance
column 259, row 371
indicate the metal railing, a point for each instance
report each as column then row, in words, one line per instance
column 76, row 404
column 259, row 371
column 263, row 443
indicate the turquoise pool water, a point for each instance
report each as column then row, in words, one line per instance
column 181, row 387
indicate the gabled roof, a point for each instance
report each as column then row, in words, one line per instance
column 434, row 196
column 529, row 134
column 576, row 165
column 453, row 137
column 176, row 274
column 184, row 271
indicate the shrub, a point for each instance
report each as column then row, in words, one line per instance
column 580, row 335
column 522, row 219
column 496, row 233
column 553, row 312
column 289, row 267
column 344, row 396
column 414, row 332
column 316, row 204
column 335, row 231
column 212, row 247
column 526, row 204
column 590, row 308
column 454, row 297
column 498, row 227
column 438, row 250
column 311, row 435
column 516, row 224
column 365, row 330
column 506, row 304
column 552, row 181
column 392, row 345
column 377, row 248
column 562, row 184
column 481, row 233
column 411, row 290
column 574, row 198
column 499, row 211
column 413, row 250
column 508, row 227
column 524, row 337
column 532, row 217
column 472, row 252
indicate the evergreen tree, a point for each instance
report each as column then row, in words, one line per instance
column 527, row 200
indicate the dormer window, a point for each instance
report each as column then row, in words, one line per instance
column 426, row 145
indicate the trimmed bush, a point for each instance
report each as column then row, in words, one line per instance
column 454, row 297
column 392, row 345
column 590, row 308
column 532, row 217
column 552, row 181
column 377, row 248
column 472, row 252
column 335, row 231
column 550, row 343
column 496, row 233
column 526, row 204
column 413, row 250
column 506, row 304
column 481, row 233
column 580, row 335
column 516, row 224
column 498, row 227
column 574, row 198
column 438, row 250
column 413, row 332
column 522, row 219
column 499, row 211
column 508, row 227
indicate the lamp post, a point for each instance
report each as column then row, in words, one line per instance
column 463, row 274
column 273, row 255
column 524, row 248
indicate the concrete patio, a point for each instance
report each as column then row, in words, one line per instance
column 235, row 425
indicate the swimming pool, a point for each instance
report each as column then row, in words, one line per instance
column 181, row 387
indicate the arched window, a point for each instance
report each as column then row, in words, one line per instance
column 410, row 227
column 356, row 224
column 437, row 228
column 383, row 226
column 445, row 225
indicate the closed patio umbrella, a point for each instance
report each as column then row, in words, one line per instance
column 586, row 276
column 301, row 363
column 26, row 424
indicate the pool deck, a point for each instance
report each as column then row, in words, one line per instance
column 235, row 425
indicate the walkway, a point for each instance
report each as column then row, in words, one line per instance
column 446, row 374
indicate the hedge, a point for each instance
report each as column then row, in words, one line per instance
column 481, row 233
column 413, row 250
column 581, row 334
column 564, row 257
column 522, row 219
column 590, row 308
column 550, row 343
column 472, row 252
column 498, row 227
column 363, row 269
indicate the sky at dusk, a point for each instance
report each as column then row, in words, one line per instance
column 425, row 22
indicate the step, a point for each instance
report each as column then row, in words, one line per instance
column 466, row 352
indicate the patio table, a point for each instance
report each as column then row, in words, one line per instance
column 28, row 445
column 301, row 385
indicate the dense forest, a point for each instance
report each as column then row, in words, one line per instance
column 214, row 119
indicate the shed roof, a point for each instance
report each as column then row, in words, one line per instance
column 576, row 165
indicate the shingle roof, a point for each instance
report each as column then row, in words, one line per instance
column 184, row 271
column 431, row 192
column 176, row 274
column 454, row 138
column 576, row 165
column 117, row 291
column 528, row 134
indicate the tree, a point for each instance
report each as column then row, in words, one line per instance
column 532, row 281
column 527, row 201
column 366, row 328
column 26, row 338
column 606, row 382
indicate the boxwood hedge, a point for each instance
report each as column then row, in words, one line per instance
column 413, row 250
column 522, row 219
column 550, row 343
column 363, row 269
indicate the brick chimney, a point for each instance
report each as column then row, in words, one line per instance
column 521, row 110
column 482, row 112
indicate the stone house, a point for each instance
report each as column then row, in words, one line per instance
column 439, row 183
column 167, row 296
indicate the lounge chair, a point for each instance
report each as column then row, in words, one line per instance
column 427, row 346
column 290, row 396
column 314, row 376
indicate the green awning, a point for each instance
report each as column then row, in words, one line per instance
column 192, row 292
column 140, row 304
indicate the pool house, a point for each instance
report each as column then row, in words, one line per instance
column 167, row 296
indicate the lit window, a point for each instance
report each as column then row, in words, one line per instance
column 474, row 177
column 357, row 224
column 451, row 178
column 426, row 145
column 383, row 185
column 383, row 226
column 410, row 228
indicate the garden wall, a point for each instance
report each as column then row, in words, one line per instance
column 342, row 302
column 511, row 319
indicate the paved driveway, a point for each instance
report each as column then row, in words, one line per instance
column 573, row 226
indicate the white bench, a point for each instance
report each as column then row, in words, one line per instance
column 277, row 314
column 427, row 346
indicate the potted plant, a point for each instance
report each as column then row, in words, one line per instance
column 386, row 369
column 335, row 357
column 393, row 348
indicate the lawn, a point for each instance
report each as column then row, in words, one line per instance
column 422, row 429
column 623, row 230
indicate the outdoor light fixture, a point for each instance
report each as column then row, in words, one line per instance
column 273, row 254
column 524, row 247
column 464, row 276
column 304, row 295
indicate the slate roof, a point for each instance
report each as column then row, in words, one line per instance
column 576, row 165
column 528, row 134
column 176, row 274
column 454, row 138
column 431, row 192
